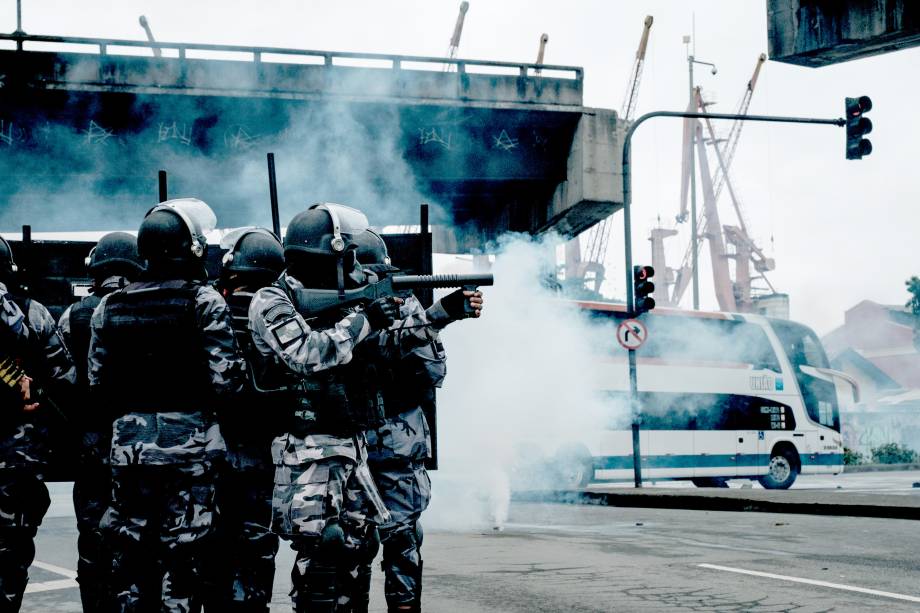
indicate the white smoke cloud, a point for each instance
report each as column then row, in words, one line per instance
column 519, row 387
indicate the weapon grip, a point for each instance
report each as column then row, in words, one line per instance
column 467, row 309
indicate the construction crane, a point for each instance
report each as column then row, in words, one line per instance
column 544, row 38
column 579, row 264
column 157, row 52
column 454, row 45
column 731, row 295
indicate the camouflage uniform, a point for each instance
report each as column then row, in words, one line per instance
column 24, row 441
column 323, row 492
column 397, row 450
column 92, row 488
column 163, row 459
column 242, row 568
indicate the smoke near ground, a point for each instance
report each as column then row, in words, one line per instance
column 519, row 387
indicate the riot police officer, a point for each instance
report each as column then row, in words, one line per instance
column 243, row 565
column 325, row 502
column 113, row 263
column 398, row 449
column 31, row 344
column 163, row 360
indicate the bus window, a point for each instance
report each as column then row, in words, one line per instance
column 683, row 411
column 803, row 348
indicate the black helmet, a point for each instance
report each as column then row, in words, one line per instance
column 324, row 229
column 7, row 264
column 115, row 254
column 253, row 250
column 371, row 248
column 319, row 246
column 174, row 232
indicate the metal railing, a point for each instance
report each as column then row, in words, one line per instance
column 527, row 70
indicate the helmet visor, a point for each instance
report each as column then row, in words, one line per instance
column 345, row 220
column 197, row 215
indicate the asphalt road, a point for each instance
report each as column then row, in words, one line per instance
column 574, row 558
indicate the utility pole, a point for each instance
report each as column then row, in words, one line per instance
column 694, row 230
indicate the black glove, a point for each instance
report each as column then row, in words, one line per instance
column 455, row 304
column 381, row 313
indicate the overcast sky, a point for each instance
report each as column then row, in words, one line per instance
column 841, row 231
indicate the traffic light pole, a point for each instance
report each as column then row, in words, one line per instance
column 627, row 240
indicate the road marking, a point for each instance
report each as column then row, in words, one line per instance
column 58, row 584
column 836, row 586
column 58, row 570
column 48, row 586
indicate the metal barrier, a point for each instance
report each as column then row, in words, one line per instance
column 328, row 58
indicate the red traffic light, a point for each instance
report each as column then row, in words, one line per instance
column 858, row 126
column 641, row 273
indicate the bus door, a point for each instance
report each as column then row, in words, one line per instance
column 749, row 452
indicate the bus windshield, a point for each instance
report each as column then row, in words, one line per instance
column 803, row 348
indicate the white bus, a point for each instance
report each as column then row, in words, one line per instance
column 722, row 396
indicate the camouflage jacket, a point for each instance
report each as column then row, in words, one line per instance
column 24, row 437
column 188, row 440
column 282, row 338
column 406, row 436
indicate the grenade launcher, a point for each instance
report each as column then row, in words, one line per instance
column 316, row 301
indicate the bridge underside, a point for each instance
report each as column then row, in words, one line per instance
column 813, row 33
column 83, row 135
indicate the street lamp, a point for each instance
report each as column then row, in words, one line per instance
column 694, row 230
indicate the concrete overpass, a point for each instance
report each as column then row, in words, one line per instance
column 494, row 146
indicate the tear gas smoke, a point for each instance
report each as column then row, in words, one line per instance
column 520, row 386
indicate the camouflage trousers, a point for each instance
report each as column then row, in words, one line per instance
column 157, row 528
column 241, row 560
column 323, row 510
column 406, row 491
column 23, row 502
column 92, row 492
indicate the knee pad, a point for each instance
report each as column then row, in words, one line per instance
column 404, row 539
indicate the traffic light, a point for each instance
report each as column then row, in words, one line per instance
column 643, row 288
column 857, row 126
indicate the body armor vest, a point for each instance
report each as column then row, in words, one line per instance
column 343, row 400
column 156, row 360
column 81, row 313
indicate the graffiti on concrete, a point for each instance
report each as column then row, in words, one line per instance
column 504, row 141
column 174, row 132
column 434, row 135
column 238, row 137
column 96, row 134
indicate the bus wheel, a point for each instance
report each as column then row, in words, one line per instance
column 710, row 482
column 782, row 471
column 574, row 467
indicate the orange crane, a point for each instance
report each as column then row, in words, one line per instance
column 578, row 263
column 732, row 295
